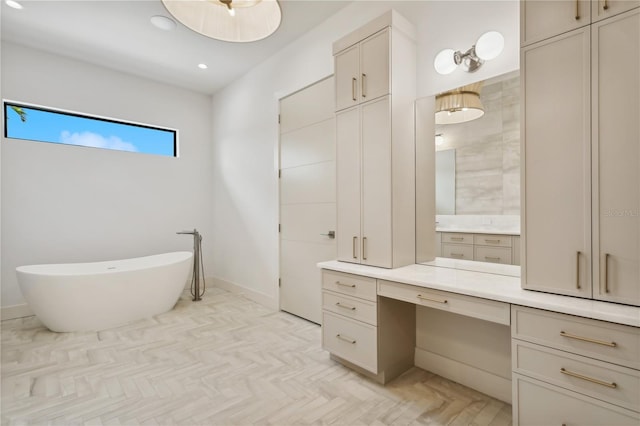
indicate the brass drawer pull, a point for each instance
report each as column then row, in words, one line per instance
column 421, row 297
column 491, row 241
column 457, row 254
column 588, row 339
column 340, row 305
column 611, row 385
column 457, row 238
column 346, row 285
column 497, row 259
column 346, row 339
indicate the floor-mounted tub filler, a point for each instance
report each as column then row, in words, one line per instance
column 100, row 295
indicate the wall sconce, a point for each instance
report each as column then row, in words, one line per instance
column 488, row 46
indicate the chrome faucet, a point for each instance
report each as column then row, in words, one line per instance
column 197, row 264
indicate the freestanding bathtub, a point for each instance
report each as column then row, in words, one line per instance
column 99, row 295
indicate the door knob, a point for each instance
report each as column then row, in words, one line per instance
column 330, row 234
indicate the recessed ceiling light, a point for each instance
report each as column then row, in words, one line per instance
column 14, row 4
column 203, row 66
column 161, row 22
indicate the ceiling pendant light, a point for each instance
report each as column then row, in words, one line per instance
column 228, row 20
column 459, row 105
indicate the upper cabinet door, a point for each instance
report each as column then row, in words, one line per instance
column 347, row 76
column 616, row 150
column 601, row 9
column 557, row 165
column 374, row 66
column 542, row 19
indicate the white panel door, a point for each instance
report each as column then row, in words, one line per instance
column 557, row 165
column 616, row 150
column 307, row 196
column 542, row 19
column 347, row 76
column 376, row 183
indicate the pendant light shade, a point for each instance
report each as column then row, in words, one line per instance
column 228, row 20
column 459, row 105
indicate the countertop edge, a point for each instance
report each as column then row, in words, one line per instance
column 503, row 289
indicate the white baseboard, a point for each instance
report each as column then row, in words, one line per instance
column 15, row 311
column 263, row 299
column 473, row 377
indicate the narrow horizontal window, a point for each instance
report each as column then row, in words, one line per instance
column 41, row 124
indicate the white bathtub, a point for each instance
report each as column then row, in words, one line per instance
column 99, row 295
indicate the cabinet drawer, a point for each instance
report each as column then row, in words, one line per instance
column 457, row 238
column 359, row 309
column 605, row 381
column 349, row 284
column 488, row 310
column 538, row 403
column 492, row 240
column 458, row 251
column 615, row 343
column 352, row 340
column 492, row 254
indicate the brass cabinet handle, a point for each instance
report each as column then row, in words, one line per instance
column 354, row 82
column 577, row 10
column 353, row 248
column 346, row 339
column 606, row 272
column 606, row 6
column 497, row 259
column 430, row 299
column 364, row 248
column 457, row 238
column 588, row 339
column 457, row 254
column 340, row 305
column 345, row 285
column 364, row 94
column 612, row 385
column 491, row 241
column 578, row 270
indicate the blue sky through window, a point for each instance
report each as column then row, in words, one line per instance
column 66, row 128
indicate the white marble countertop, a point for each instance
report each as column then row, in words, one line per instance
column 478, row 230
column 494, row 286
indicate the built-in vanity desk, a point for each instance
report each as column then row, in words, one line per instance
column 557, row 359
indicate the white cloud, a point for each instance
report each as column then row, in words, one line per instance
column 96, row 141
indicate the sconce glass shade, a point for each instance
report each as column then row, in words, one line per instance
column 445, row 62
column 489, row 45
column 253, row 19
column 459, row 105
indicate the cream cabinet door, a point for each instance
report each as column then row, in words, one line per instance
column 376, row 183
column 557, row 165
column 374, row 66
column 347, row 74
column 616, row 150
column 542, row 19
column 601, row 9
column 348, row 184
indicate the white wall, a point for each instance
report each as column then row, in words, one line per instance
column 76, row 204
column 245, row 129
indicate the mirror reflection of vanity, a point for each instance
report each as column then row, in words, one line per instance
column 477, row 184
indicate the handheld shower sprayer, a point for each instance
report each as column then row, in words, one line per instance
column 197, row 265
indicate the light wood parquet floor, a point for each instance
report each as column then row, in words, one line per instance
column 222, row 361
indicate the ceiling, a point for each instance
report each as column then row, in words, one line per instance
column 118, row 34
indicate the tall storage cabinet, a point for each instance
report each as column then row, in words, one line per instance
column 581, row 157
column 375, row 78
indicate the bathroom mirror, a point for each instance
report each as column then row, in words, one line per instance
column 477, row 168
